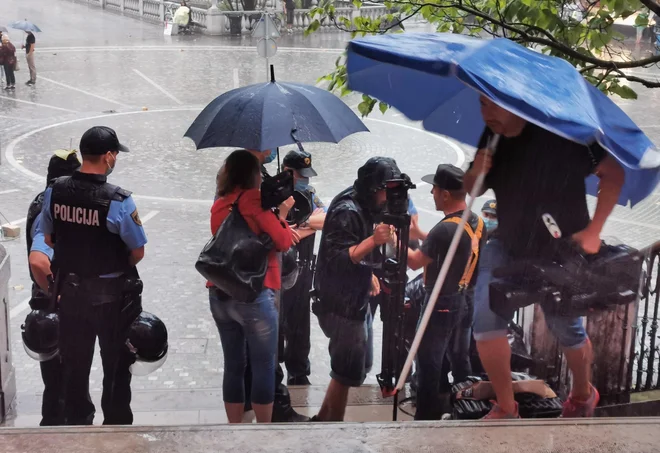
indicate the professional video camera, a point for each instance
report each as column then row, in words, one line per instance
column 302, row 209
column 394, row 283
column 572, row 284
column 276, row 189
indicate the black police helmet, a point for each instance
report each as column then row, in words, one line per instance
column 290, row 268
column 40, row 333
column 147, row 339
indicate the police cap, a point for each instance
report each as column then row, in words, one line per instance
column 301, row 161
column 490, row 207
column 99, row 140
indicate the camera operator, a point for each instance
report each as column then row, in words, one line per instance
column 295, row 300
column 345, row 280
column 452, row 308
column 535, row 172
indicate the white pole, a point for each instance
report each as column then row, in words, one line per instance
column 478, row 184
column 266, row 37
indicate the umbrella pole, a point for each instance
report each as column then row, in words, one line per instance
column 443, row 272
column 279, row 169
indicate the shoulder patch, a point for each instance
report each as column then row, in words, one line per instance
column 136, row 218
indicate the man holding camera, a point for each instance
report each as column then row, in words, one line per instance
column 295, row 300
column 535, row 175
column 345, row 280
column 452, row 306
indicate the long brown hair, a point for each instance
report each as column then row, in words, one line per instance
column 240, row 171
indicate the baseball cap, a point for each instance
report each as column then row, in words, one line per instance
column 63, row 162
column 447, row 177
column 301, row 161
column 490, row 207
column 99, row 140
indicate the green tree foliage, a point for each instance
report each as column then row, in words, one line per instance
column 579, row 31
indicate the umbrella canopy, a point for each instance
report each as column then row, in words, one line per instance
column 437, row 78
column 25, row 26
column 268, row 115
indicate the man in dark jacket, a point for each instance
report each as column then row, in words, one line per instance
column 345, row 280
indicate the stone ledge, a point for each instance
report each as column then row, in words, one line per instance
column 529, row 436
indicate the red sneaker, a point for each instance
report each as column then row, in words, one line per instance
column 574, row 408
column 497, row 413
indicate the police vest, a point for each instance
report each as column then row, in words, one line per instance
column 79, row 206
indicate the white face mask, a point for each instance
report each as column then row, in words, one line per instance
column 110, row 169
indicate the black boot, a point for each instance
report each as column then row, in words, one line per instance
column 282, row 410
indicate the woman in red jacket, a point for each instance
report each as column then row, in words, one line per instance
column 249, row 323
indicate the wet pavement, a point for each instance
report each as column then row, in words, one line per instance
column 96, row 67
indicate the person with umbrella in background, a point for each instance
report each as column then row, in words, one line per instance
column 30, row 29
column 29, row 57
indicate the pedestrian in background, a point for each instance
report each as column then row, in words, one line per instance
column 29, row 56
column 8, row 55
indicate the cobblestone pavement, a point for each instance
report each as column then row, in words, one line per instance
column 99, row 68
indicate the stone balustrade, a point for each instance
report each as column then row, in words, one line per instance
column 214, row 21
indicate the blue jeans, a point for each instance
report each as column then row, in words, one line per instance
column 242, row 324
column 487, row 325
column 431, row 354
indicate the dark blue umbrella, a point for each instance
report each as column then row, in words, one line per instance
column 437, row 78
column 269, row 115
column 25, row 26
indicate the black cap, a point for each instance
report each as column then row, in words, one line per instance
column 99, row 140
column 490, row 207
column 64, row 162
column 447, row 177
column 301, row 161
column 373, row 174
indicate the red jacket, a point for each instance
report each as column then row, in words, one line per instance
column 260, row 221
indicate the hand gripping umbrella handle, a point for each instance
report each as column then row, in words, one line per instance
column 476, row 189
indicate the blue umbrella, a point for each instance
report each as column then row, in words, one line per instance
column 438, row 78
column 25, row 26
column 268, row 115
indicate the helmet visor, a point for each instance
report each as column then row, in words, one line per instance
column 143, row 368
column 41, row 356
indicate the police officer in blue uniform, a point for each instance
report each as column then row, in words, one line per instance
column 40, row 256
column 296, row 300
column 97, row 235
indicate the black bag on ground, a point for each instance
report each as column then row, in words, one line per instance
column 235, row 260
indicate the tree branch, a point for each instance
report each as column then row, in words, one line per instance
column 647, row 83
column 653, row 6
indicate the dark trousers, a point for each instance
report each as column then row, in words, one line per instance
column 86, row 313
column 9, row 74
column 52, row 403
column 295, row 326
column 457, row 359
column 431, row 355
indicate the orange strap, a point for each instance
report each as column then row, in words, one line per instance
column 475, row 237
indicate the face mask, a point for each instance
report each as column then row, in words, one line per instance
column 301, row 184
column 490, row 224
column 110, row 169
column 271, row 157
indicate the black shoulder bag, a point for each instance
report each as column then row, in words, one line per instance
column 235, row 260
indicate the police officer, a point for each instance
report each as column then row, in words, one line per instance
column 97, row 235
column 489, row 214
column 295, row 301
column 40, row 255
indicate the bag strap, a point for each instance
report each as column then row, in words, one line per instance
column 475, row 238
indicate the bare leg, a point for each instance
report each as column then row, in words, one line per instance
column 495, row 356
column 579, row 361
column 263, row 412
column 234, row 412
column 334, row 404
